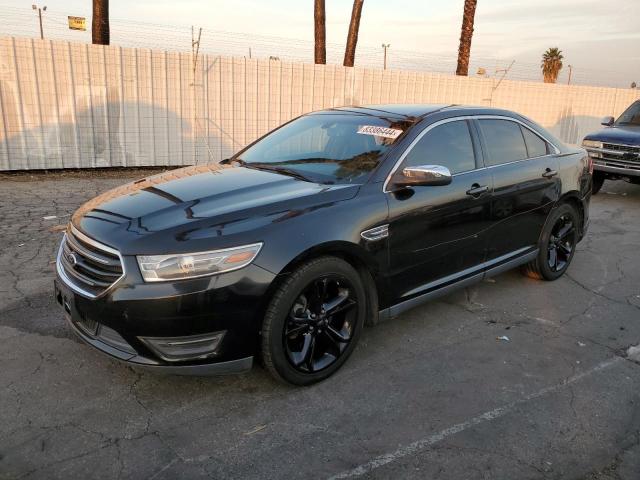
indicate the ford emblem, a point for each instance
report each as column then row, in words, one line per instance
column 72, row 259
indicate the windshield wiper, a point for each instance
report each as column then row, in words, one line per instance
column 272, row 168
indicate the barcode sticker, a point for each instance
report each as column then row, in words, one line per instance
column 380, row 131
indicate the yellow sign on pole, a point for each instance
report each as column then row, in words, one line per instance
column 77, row 23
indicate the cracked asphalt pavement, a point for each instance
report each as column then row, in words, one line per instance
column 431, row 394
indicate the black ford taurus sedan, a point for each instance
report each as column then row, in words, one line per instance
column 336, row 219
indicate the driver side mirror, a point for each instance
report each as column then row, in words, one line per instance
column 423, row 175
column 607, row 121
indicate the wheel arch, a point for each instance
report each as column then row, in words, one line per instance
column 573, row 198
column 363, row 261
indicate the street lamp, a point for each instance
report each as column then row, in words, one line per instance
column 385, row 46
column 40, row 10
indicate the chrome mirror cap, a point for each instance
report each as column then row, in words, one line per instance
column 607, row 121
column 423, row 175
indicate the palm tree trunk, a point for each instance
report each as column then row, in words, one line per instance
column 320, row 32
column 100, row 23
column 352, row 37
column 464, row 52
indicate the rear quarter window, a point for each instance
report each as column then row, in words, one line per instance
column 536, row 146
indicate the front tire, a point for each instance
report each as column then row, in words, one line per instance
column 313, row 321
column 557, row 244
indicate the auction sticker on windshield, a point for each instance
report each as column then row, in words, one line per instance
column 380, row 131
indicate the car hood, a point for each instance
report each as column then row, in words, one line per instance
column 626, row 134
column 200, row 208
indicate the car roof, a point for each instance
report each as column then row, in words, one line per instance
column 418, row 110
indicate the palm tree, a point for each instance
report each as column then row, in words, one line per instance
column 100, row 22
column 352, row 37
column 320, row 32
column 551, row 64
column 464, row 51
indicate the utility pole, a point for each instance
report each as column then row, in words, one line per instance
column 385, row 46
column 40, row 10
column 570, row 72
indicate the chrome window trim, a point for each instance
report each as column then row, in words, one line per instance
column 462, row 118
column 65, row 278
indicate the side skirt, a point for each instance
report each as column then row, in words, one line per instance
column 401, row 307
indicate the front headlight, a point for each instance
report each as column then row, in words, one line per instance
column 160, row 268
column 591, row 144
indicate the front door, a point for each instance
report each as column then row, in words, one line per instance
column 436, row 233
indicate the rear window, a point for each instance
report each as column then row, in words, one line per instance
column 504, row 141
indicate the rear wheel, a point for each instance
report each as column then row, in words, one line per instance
column 557, row 245
column 313, row 321
column 597, row 181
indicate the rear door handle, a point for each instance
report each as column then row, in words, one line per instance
column 476, row 190
column 548, row 173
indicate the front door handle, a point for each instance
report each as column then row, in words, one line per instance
column 476, row 190
column 548, row 173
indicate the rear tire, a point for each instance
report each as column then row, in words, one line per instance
column 313, row 321
column 557, row 244
column 597, row 181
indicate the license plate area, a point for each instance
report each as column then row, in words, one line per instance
column 72, row 314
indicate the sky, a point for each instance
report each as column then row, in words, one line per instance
column 594, row 35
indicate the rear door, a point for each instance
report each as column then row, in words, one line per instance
column 436, row 232
column 524, row 170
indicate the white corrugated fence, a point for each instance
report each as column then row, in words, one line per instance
column 76, row 105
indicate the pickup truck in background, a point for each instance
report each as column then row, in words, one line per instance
column 615, row 150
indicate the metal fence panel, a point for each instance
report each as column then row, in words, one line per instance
column 76, row 105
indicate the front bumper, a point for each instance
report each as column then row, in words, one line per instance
column 620, row 171
column 117, row 322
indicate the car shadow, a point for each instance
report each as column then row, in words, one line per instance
column 100, row 129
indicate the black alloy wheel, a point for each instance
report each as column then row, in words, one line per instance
column 557, row 244
column 561, row 243
column 314, row 321
column 320, row 324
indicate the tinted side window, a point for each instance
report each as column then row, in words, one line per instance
column 503, row 140
column 448, row 145
column 536, row 147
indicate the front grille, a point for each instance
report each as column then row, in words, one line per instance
column 621, row 148
column 620, row 156
column 89, row 267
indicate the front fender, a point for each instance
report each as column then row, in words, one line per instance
column 335, row 227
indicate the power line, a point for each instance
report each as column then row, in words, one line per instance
column 129, row 33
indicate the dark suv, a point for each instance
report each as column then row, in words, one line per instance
column 615, row 150
column 338, row 218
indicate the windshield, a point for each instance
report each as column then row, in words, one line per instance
column 631, row 115
column 325, row 148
